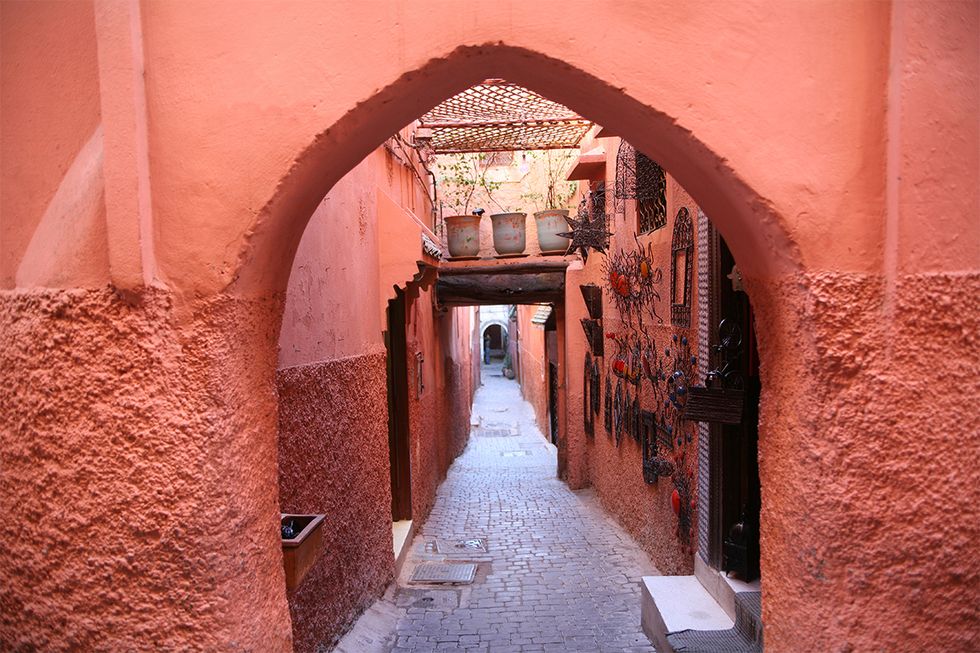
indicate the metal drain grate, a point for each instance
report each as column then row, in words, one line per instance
column 470, row 545
column 497, row 433
column 461, row 573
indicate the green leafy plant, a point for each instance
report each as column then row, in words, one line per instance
column 464, row 181
column 556, row 193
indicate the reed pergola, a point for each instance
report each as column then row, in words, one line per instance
column 498, row 116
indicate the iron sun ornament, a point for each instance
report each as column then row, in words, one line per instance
column 586, row 233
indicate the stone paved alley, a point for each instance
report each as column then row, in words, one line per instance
column 559, row 575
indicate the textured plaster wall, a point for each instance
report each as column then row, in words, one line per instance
column 534, row 365
column 438, row 416
column 869, row 501
column 333, row 459
column 117, row 534
column 833, row 144
column 617, row 472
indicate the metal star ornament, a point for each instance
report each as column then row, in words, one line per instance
column 587, row 233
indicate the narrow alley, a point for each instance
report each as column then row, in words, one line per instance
column 491, row 326
column 558, row 574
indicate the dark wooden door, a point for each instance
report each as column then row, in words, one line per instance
column 739, row 499
column 398, row 433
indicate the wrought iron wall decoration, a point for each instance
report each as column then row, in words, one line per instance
column 682, row 254
column 634, row 421
column 607, row 417
column 597, row 199
column 592, row 294
column 588, row 419
column 722, row 397
column 626, row 363
column 632, row 281
column 595, row 384
column 673, row 376
column 640, row 178
column 588, row 232
column 593, row 334
column 619, row 407
column 655, row 464
column 682, row 502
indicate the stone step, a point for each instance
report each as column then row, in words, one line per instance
column 680, row 616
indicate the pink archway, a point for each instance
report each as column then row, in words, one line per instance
column 756, row 233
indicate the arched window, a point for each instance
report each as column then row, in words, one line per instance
column 640, row 178
column 682, row 251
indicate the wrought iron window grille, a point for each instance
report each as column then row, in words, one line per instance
column 682, row 252
column 640, row 178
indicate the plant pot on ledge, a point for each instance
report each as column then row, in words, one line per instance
column 550, row 223
column 463, row 235
column 509, row 235
column 302, row 539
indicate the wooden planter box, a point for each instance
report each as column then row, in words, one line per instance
column 301, row 551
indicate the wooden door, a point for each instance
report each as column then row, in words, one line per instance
column 398, row 431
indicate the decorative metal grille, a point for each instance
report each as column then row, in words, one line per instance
column 597, row 200
column 682, row 246
column 607, row 412
column 500, row 116
column 588, row 391
column 640, row 178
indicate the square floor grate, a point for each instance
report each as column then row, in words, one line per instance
column 458, row 547
column 441, row 572
column 497, row 433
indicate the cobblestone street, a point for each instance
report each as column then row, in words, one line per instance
column 559, row 575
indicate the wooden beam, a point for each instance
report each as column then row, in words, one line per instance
column 481, row 289
column 503, row 267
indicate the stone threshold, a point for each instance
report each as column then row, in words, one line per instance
column 703, row 608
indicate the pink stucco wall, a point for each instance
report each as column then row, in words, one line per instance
column 333, row 413
column 333, row 459
column 833, row 144
column 616, row 471
column 534, row 365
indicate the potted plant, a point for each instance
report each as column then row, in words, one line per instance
column 553, row 219
column 464, row 183
column 509, row 235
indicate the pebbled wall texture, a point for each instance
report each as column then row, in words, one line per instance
column 139, row 493
column 333, row 459
column 616, row 472
column 834, row 147
column 869, row 461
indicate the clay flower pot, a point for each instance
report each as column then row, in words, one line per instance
column 509, row 232
column 551, row 223
column 463, row 233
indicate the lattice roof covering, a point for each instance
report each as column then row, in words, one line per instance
column 500, row 116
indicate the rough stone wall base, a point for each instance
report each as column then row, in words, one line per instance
column 333, row 459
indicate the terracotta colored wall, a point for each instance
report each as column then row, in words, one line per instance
column 833, row 144
column 116, row 534
column 616, row 472
column 333, row 459
column 534, row 366
column 51, row 112
column 439, row 417
column 333, row 413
